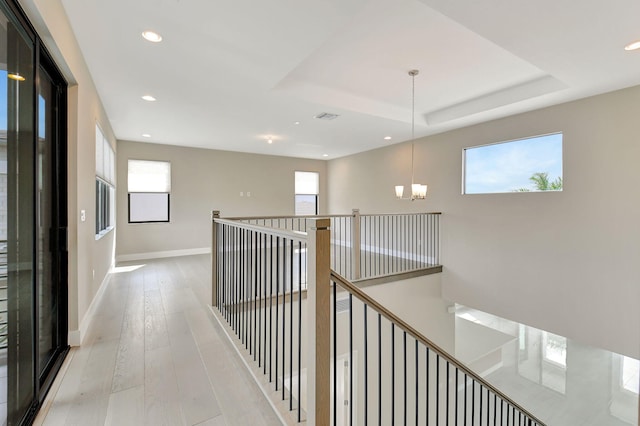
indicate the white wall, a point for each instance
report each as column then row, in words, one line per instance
column 204, row 180
column 89, row 260
column 564, row 262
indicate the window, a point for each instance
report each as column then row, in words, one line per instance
column 630, row 374
column 149, row 187
column 525, row 165
column 105, row 189
column 306, row 193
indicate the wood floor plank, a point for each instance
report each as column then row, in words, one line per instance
column 201, row 325
column 197, row 399
column 161, row 394
column 129, row 367
column 232, row 383
column 155, row 326
column 178, row 300
column 126, row 408
column 216, row 421
column 89, row 406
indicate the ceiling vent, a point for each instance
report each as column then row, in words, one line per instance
column 326, row 116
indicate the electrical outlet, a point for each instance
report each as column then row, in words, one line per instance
column 83, row 215
column 248, row 194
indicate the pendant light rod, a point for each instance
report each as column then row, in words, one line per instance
column 413, row 74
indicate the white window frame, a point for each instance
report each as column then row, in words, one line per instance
column 149, row 191
column 306, row 189
column 105, row 185
column 511, row 190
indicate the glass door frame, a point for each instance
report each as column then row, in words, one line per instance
column 59, row 217
column 42, row 61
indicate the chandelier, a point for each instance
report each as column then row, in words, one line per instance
column 418, row 191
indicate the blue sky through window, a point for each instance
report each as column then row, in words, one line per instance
column 42, row 117
column 3, row 100
column 506, row 167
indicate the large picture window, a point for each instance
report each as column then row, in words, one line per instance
column 149, row 187
column 306, row 193
column 105, row 188
column 525, row 165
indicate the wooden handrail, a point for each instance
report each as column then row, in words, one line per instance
column 400, row 214
column 321, row 216
column 277, row 232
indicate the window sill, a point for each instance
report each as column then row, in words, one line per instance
column 105, row 232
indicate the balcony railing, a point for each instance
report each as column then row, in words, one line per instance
column 332, row 354
column 393, row 374
column 366, row 246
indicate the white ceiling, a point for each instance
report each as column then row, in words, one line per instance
column 230, row 74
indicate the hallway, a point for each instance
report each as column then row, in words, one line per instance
column 154, row 355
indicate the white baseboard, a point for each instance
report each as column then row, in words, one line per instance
column 162, row 254
column 75, row 337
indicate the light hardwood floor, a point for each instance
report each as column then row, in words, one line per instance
column 154, row 355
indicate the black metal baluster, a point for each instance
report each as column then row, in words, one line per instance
column 223, row 282
column 473, row 400
column 437, row 388
column 456, row 403
column 260, row 299
column 427, row 387
column 366, row 369
column 270, row 308
column 243, row 271
column 393, row 374
column 350, row 359
column 488, row 406
column 417, row 375
column 284, row 310
column 480, row 413
column 252, row 292
column 447, row 398
column 495, row 408
column 466, row 380
column 335, row 355
column 379, row 370
column 299, row 327
column 404, row 366
column 264, row 273
column 245, row 284
column 277, row 306
column 291, row 328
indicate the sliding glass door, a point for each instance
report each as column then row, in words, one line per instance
column 51, row 221
column 32, row 219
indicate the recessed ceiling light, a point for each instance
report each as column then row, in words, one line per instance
column 270, row 141
column 296, row 123
column 152, row 36
column 146, row 135
column 325, row 155
column 149, row 98
column 16, row 76
column 633, row 46
column 387, row 138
